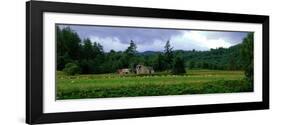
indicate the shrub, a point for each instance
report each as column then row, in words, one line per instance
column 71, row 69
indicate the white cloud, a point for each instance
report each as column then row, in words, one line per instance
column 197, row 40
column 156, row 45
column 188, row 40
column 114, row 43
column 110, row 43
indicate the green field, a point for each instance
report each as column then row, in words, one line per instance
column 114, row 85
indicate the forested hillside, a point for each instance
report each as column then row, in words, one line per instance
column 220, row 58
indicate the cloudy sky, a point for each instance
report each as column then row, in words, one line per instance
column 153, row 39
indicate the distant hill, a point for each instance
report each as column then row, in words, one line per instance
column 220, row 58
column 148, row 53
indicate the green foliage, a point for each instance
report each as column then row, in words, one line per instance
column 97, row 49
column 247, row 50
column 68, row 46
column 129, row 58
column 169, row 56
column 191, row 64
column 132, row 49
column 159, row 63
column 62, row 60
column 218, row 59
column 88, row 51
column 178, row 66
column 71, row 69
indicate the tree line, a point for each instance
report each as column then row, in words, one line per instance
column 76, row 56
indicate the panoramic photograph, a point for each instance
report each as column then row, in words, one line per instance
column 113, row 61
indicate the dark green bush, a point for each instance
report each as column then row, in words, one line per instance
column 71, row 69
column 178, row 66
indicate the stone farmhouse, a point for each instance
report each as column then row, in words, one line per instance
column 141, row 69
column 123, row 71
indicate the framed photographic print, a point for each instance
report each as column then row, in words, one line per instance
column 95, row 62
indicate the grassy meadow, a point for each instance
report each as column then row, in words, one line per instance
column 115, row 85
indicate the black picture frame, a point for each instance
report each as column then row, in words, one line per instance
column 34, row 61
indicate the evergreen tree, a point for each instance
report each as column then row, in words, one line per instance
column 132, row 49
column 178, row 66
column 88, row 51
column 168, row 52
column 97, row 49
column 68, row 46
column 159, row 62
column 247, row 50
column 129, row 58
column 71, row 42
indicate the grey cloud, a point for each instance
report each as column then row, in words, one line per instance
column 125, row 34
column 145, row 37
column 231, row 37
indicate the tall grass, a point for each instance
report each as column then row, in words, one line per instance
column 114, row 85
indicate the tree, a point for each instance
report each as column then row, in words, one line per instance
column 69, row 46
column 62, row 56
column 87, row 49
column 191, row 64
column 97, row 49
column 159, row 62
column 205, row 65
column 132, row 49
column 71, row 43
column 168, row 53
column 62, row 60
column 247, row 50
column 178, row 66
column 129, row 59
column 231, row 63
column 111, row 63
